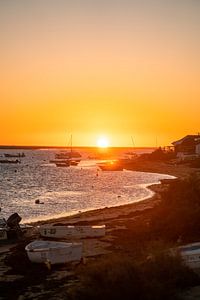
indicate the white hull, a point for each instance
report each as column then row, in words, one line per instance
column 72, row 231
column 191, row 255
column 53, row 252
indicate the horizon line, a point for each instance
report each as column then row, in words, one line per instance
column 64, row 147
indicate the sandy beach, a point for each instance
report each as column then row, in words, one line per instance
column 15, row 268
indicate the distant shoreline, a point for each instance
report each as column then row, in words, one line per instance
column 37, row 147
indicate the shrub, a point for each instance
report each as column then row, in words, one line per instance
column 122, row 278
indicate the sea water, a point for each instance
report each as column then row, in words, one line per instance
column 66, row 190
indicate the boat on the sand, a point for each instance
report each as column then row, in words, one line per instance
column 72, row 231
column 190, row 254
column 53, row 252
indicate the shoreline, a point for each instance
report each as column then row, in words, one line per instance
column 152, row 188
column 102, row 214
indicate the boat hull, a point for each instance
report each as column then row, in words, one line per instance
column 53, row 252
column 71, row 231
column 191, row 255
column 110, row 168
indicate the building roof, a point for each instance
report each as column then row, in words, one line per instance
column 193, row 138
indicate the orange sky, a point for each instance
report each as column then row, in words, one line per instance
column 89, row 68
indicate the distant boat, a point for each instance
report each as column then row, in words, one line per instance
column 60, row 162
column 118, row 165
column 64, row 162
column 72, row 231
column 111, row 166
column 67, row 158
column 8, row 161
column 68, row 154
column 14, row 155
column 53, row 252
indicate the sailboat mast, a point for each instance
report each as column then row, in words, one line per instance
column 71, row 143
column 132, row 141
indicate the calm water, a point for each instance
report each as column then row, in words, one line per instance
column 65, row 191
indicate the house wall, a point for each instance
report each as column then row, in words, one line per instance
column 198, row 149
column 185, row 148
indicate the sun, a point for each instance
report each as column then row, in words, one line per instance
column 102, row 142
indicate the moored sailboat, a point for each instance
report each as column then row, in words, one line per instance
column 67, row 158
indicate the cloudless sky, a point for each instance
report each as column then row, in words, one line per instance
column 91, row 68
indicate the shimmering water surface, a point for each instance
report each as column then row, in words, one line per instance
column 65, row 190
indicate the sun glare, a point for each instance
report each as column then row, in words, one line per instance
column 102, row 142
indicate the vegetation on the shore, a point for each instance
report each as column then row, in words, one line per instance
column 123, row 278
column 157, row 276
column 158, row 155
column 177, row 216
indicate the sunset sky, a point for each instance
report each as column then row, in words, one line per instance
column 114, row 68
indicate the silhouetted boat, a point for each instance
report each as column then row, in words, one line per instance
column 67, row 158
column 8, row 161
column 111, row 166
column 14, row 155
column 66, row 162
column 118, row 164
column 62, row 164
column 68, row 154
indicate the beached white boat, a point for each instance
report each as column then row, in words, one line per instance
column 53, row 252
column 74, row 231
column 190, row 254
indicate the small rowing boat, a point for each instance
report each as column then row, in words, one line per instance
column 53, row 252
column 190, row 254
column 72, row 231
